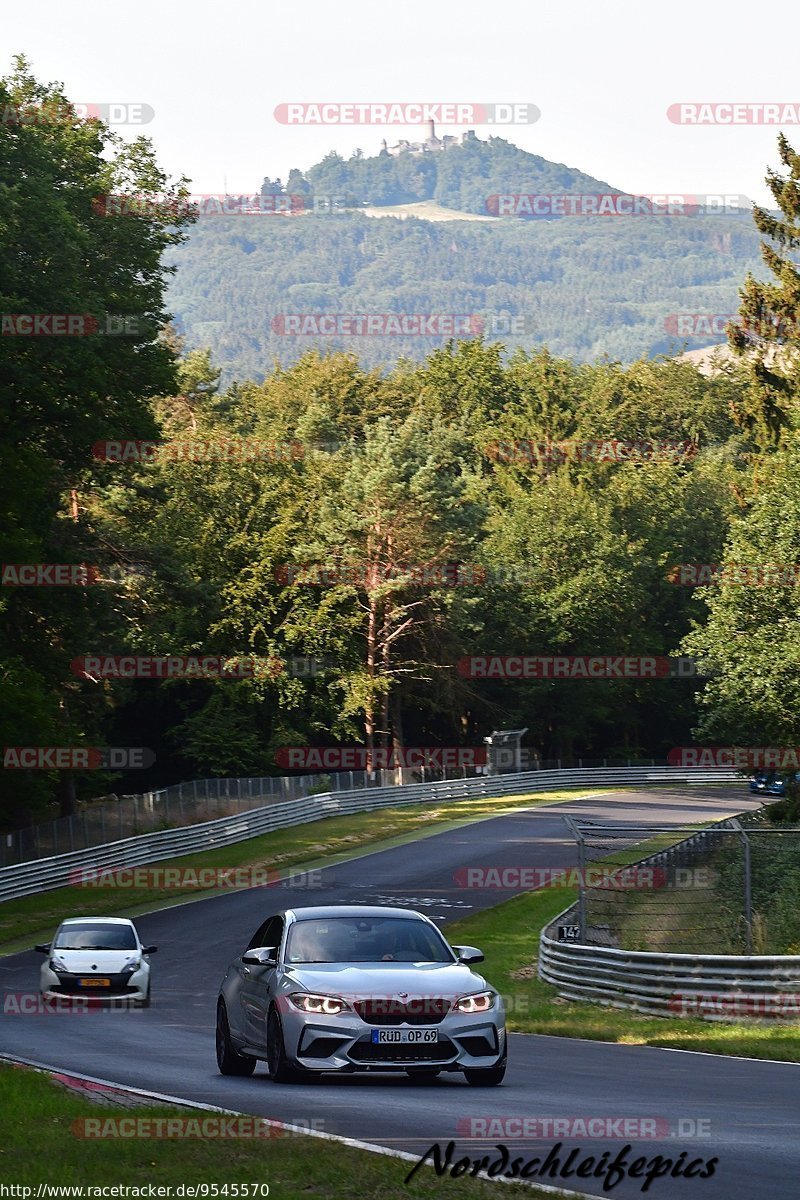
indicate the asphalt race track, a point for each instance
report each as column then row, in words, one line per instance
column 750, row 1107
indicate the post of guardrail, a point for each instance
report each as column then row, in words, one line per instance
column 577, row 834
column 748, row 895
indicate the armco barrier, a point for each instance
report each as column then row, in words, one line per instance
column 44, row 874
column 716, row 987
column 712, row 986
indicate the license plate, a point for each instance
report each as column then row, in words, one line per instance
column 384, row 1037
column 94, row 982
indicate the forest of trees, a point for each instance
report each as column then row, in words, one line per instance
column 583, row 287
column 205, row 547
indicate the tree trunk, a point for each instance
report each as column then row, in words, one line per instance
column 369, row 707
column 67, row 799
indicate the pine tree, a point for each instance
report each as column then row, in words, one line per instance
column 769, row 334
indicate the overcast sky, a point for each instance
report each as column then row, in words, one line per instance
column 603, row 77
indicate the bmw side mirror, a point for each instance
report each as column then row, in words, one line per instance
column 44, row 949
column 149, row 949
column 261, row 956
column 469, row 955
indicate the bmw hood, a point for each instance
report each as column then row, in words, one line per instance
column 366, row 979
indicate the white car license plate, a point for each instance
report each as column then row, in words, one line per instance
column 384, row 1037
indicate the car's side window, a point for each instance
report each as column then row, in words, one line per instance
column 268, row 934
column 257, row 938
column 276, row 935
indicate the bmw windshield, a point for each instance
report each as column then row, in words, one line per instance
column 367, row 939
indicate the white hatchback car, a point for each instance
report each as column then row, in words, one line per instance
column 100, row 957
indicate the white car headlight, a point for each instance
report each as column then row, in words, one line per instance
column 478, row 1002
column 310, row 1002
column 131, row 965
column 58, row 964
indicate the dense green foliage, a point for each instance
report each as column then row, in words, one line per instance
column 371, row 473
column 61, row 393
column 585, row 287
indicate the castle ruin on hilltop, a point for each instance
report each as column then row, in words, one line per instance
column 431, row 145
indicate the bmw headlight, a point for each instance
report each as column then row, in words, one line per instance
column 310, row 1002
column 58, row 964
column 478, row 1002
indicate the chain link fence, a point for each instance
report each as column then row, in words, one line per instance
column 729, row 888
column 109, row 820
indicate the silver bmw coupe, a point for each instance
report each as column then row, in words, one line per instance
column 355, row 988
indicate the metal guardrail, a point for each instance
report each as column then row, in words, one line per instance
column 712, row 986
column 187, row 803
column 715, row 987
column 113, row 818
column 44, row 874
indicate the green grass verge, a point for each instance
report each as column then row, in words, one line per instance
column 509, row 936
column 39, row 1146
column 318, row 843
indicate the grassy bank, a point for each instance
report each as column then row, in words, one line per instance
column 41, row 1146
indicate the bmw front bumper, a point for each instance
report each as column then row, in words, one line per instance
column 346, row 1042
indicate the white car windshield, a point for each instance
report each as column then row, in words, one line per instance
column 365, row 939
column 95, row 936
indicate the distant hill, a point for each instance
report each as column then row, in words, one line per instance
column 462, row 177
column 584, row 286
